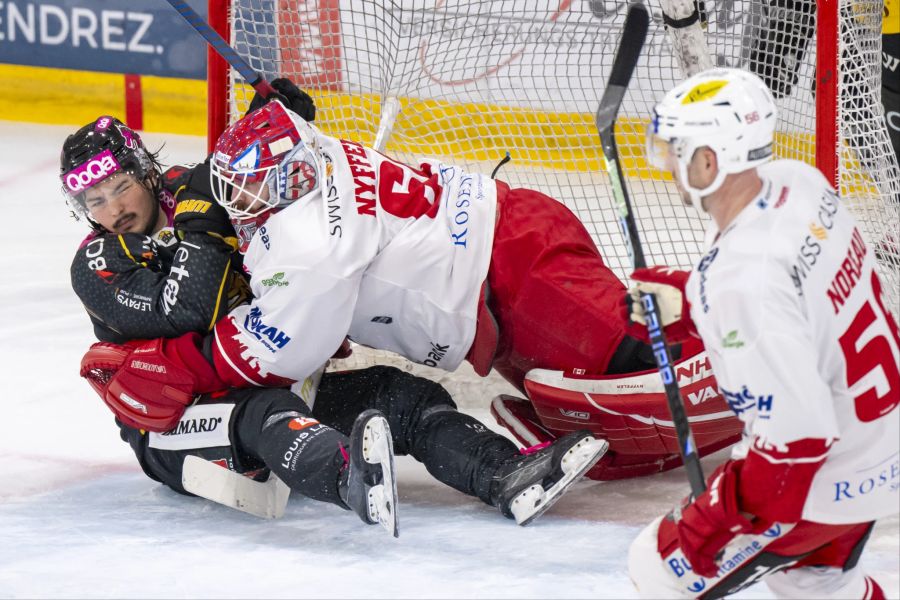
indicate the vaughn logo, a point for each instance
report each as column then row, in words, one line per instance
column 186, row 426
column 92, row 172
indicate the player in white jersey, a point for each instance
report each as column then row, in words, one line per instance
column 788, row 303
column 440, row 266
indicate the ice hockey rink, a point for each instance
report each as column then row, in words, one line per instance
column 78, row 518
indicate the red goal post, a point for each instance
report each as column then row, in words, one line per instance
column 468, row 81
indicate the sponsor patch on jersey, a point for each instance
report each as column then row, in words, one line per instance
column 436, row 354
column 744, row 400
column 276, row 280
column 818, row 231
column 885, row 474
column 201, row 426
column 271, row 337
column 732, row 340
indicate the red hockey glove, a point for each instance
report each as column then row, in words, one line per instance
column 668, row 286
column 147, row 385
column 713, row 520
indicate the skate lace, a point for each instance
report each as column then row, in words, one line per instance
column 346, row 456
column 533, row 449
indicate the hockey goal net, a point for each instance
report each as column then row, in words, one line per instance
column 470, row 81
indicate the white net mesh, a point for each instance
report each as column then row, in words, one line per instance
column 475, row 80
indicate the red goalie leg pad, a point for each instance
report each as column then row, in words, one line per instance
column 518, row 416
column 631, row 413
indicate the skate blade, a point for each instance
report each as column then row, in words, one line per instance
column 382, row 499
column 535, row 500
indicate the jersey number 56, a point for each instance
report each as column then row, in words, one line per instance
column 875, row 353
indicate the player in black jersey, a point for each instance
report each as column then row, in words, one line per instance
column 160, row 262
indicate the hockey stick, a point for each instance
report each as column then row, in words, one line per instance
column 262, row 87
column 685, row 21
column 633, row 35
column 266, row 499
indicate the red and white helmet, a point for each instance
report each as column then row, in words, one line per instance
column 271, row 157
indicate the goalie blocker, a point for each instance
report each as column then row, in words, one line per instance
column 629, row 411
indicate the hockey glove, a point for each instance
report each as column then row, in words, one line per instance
column 667, row 285
column 198, row 213
column 713, row 519
column 297, row 100
column 148, row 385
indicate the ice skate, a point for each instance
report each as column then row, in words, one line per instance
column 368, row 485
column 525, row 486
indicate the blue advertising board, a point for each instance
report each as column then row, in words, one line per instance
column 145, row 37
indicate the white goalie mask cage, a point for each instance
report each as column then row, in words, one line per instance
column 265, row 161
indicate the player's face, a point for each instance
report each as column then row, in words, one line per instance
column 121, row 204
column 701, row 171
column 250, row 197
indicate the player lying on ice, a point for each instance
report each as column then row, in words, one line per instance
column 161, row 262
column 807, row 357
column 438, row 265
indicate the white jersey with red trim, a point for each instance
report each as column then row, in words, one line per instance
column 391, row 255
column 792, row 313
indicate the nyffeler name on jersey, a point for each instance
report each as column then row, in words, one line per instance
column 363, row 177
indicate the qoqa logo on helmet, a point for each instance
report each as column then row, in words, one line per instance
column 93, row 171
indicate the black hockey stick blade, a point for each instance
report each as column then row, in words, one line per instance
column 637, row 22
column 630, row 44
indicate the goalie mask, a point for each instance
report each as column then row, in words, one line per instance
column 263, row 163
column 728, row 110
column 98, row 151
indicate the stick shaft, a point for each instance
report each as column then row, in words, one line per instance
column 627, row 54
column 221, row 46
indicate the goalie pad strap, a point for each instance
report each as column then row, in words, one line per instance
column 683, row 22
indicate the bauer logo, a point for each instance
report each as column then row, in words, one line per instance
column 92, row 172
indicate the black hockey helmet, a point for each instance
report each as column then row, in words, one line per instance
column 98, row 150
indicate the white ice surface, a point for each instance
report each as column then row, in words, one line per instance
column 79, row 519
